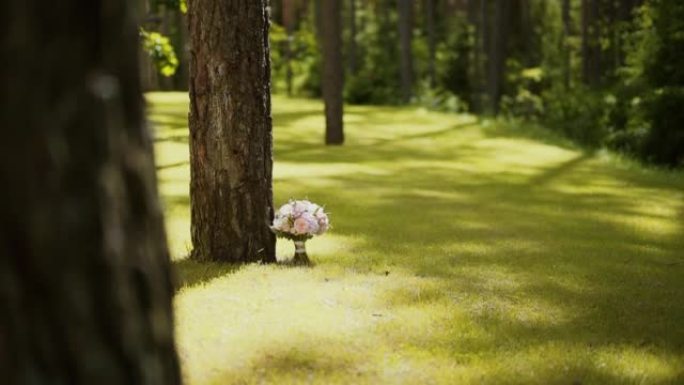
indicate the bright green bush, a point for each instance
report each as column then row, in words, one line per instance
column 159, row 48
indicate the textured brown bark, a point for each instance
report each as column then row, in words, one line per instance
column 333, row 71
column 405, row 12
column 230, row 131
column 85, row 289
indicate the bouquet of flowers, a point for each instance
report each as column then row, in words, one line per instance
column 300, row 220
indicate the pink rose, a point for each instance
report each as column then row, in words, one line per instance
column 301, row 225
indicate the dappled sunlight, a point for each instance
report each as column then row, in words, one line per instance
column 459, row 253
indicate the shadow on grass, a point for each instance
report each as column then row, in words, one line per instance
column 172, row 165
column 534, row 251
column 580, row 253
column 191, row 273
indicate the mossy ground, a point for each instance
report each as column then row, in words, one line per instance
column 463, row 252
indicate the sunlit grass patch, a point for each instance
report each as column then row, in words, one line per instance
column 460, row 253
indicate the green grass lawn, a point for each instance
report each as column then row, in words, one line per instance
column 462, row 253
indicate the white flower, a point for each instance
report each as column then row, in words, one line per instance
column 285, row 210
column 281, row 224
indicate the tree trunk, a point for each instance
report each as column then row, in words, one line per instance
column 288, row 23
column 475, row 81
column 181, row 37
column 230, row 132
column 333, row 71
column 85, row 280
column 485, row 43
column 432, row 43
column 318, row 19
column 567, row 54
column 591, row 45
column 496, row 62
column 352, row 37
column 405, row 11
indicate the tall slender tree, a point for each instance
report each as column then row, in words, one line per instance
column 288, row 8
column 352, row 50
column 591, row 43
column 333, row 70
column 84, row 267
column 496, row 60
column 405, row 11
column 476, row 58
column 566, row 47
column 230, row 131
column 432, row 40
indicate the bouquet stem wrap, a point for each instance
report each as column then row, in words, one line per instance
column 300, row 256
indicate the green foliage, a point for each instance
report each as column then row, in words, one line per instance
column 663, row 71
column 664, row 142
column 377, row 78
column 525, row 103
column 453, row 59
column 305, row 59
column 633, row 111
column 579, row 113
column 159, row 48
column 437, row 99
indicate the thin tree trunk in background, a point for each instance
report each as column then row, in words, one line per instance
column 318, row 20
column 405, row 12
column 230, row 132
column 148, row 70
column 333, row 70
column 352, row 37
column 496, row 63
column 432, row 43
column 85, row 281
column 181, row 78
column 476, row 64
column 485, row 53
column 288, row 8
column 567, row 54
column 585, row 41
column 527, row 30
column 591, row 49
column 626, row 14
column 167, row 18
column 597, row 70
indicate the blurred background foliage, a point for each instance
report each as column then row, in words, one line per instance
column 604, row 73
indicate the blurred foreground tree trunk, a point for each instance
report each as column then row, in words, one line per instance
column 85, row 288
column 230, row 131
column 333, row 70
